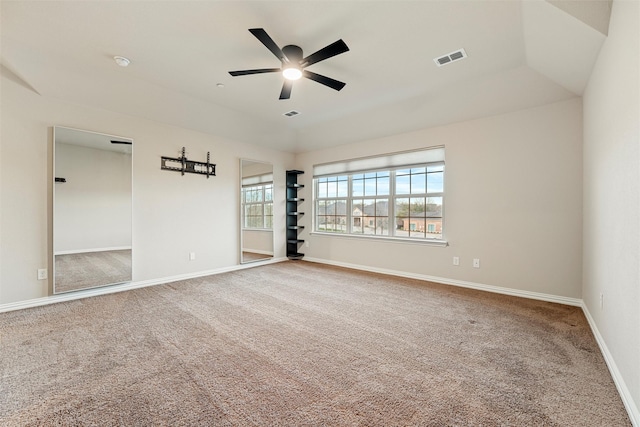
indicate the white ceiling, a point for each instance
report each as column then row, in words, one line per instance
column 99, row 141
column 521, row 54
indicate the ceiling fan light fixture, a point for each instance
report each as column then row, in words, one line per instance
column 292, row 73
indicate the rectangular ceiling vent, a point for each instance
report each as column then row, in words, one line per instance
column 291, row 113
column 450, row 57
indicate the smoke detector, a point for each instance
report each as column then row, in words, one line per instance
column 121, row 61
column 450, row 57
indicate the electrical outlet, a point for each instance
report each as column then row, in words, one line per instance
column 456, row 260
column 306, row 244
column 192, row 256
column 601, row 300
column 476, row 263
column 42, row 273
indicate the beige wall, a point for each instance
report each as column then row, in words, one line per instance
column 612, row 195
column 259, row 241
column 172, row 214
column 92, row 210
column 513, row 198
column 254, row 168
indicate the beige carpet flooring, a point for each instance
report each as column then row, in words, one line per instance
column 92, row 269
column 301, row 344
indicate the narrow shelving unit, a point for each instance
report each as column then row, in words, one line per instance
column 293, row 242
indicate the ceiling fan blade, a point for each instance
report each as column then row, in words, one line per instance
column 258, row 71
column 262, row 35
column 327, row 81
column 333, row 49
column 286, row 89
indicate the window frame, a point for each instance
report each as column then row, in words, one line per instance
column 391, row 198
column 335, row 198
column 263, row 203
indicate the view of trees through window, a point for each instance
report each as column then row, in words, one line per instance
column 257, row 206
column 402, row 202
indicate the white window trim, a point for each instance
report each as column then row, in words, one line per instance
column 392, row 239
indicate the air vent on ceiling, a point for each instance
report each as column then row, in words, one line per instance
column 291, row 113
column 450, row 57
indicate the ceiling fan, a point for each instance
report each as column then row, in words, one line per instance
column 293, row 64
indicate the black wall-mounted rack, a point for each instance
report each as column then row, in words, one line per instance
column 293, row 242
column 182, row 164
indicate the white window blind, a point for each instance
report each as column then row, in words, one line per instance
column 257, row 179
column 393, row 160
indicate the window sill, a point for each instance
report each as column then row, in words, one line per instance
column 441, row 243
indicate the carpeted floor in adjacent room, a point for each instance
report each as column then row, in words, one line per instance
column 302, row 344
column 91, row 269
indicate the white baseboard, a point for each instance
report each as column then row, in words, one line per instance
column 623, row 390
column 471, row 285
column 70, row 296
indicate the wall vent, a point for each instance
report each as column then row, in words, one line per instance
column 291, row 113
column 450, row 57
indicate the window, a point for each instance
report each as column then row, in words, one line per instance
column 418, row 201
column 370, row 201
column 331, row 209
column 401, row 201
column 257, row 206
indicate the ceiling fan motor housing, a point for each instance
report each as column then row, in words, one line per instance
column 293, row 53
